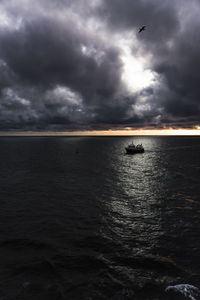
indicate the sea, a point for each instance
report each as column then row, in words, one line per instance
column 80, row 219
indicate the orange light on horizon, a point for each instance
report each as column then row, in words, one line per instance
column 127, row 131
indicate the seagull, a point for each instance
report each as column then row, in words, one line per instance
column 142, row 29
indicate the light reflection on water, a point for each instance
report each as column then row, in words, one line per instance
column 134, row 207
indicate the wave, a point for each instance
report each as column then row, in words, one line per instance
column 150, row 291
column 187, row 290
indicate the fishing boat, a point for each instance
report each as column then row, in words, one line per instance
column 132, row 148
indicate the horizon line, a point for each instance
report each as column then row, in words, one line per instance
column 109, row 132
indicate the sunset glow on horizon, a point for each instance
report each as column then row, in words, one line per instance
column 110, row 132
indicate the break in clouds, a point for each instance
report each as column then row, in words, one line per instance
column 71, row 65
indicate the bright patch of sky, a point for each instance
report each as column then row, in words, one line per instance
column 136, row 72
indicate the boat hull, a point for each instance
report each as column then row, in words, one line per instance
column 134, row 151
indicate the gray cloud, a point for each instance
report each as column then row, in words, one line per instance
column 61, row 64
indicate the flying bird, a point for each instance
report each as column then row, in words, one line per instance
column 142, row 29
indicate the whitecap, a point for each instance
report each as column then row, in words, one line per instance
column 189, row 291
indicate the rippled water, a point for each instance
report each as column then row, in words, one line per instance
column 79, row 219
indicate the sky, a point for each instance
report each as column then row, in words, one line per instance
column 81, row 65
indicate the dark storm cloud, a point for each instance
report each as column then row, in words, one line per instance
column 181, row 70
column 61, row 66
column 46, row 52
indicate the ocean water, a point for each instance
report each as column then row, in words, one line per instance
column 79, row 219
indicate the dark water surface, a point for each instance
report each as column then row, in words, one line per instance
column 81, row 220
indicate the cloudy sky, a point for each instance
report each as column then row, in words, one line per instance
column 82, row 65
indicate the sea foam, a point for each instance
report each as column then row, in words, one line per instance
column 189, row 291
